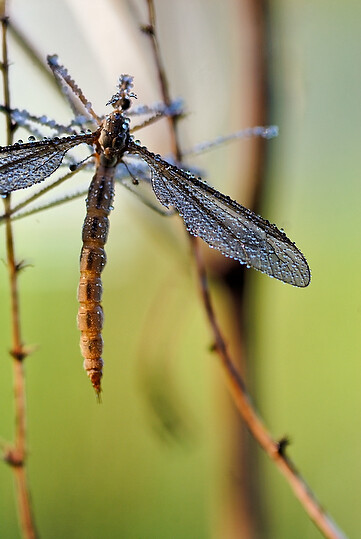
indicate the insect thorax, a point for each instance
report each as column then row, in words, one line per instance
column 114, row 138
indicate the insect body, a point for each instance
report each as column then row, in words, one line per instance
column 112, row 142
column 221, row 222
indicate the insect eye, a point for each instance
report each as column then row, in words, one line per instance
column 126, row 103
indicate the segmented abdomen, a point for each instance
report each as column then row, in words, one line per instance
column 92, row 262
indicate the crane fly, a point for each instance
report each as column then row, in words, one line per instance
column 222, row 223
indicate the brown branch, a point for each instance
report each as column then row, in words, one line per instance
column 16, row 455
column 242, row 400
column 150, row 30
column 275, row 450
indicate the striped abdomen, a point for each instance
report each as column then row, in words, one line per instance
column 92, row 262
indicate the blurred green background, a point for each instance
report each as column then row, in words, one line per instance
column 109, row 470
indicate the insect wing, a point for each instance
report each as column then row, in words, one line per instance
column 23, row 165
column 226, row 225
column 135, row 176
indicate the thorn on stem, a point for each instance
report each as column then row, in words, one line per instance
column 19, row 354
column 147, row 29
column 213, row 347
column 14, row 457
column 21, row 265
column 282, row 445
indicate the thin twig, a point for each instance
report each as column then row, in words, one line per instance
column 16, row 455
column 150, row 30
column 235, row 383
column 243, row 402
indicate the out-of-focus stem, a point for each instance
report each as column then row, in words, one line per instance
column 235, row 383
column 16, row 455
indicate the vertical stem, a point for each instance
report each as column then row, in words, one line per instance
column 246, row 515
column 164, row 87
column 235, row 383
column 17, row 454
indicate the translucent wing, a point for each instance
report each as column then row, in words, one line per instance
column 23, row 165
column 224, row 224
column 135, row 176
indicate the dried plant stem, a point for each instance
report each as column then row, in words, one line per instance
column 16, row 455
column 150, row 30
column 275, row 450
column 243, row 402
